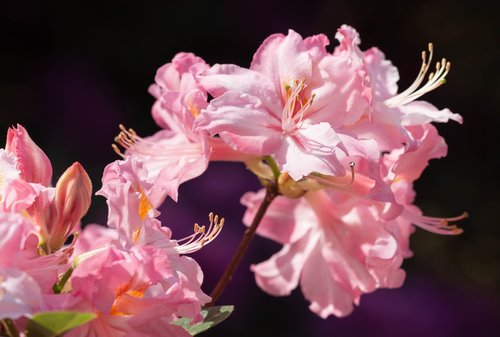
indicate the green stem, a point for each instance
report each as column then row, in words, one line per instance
column 59, row 286
column 274, row 167
column 271, row 193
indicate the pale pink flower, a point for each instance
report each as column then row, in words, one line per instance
column 341, row 243
column 290, row 103
column 390, row 111
column 143, row 284
column 177, row 153
column 405, row 165
column 335, row 249
column 132, row 203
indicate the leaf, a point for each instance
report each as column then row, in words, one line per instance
column 54, row 323
column 211, row 317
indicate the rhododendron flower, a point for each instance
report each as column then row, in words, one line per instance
column 33, row 164
column 131, row 200
column 178, row 153
column 405, row 165
column 355, row 244
column 142, row 284
column 132, row 274
column 389, row 111
column 334, row 250
column 288, row 104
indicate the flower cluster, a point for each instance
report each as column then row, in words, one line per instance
column 337, row 150
column 132, row 275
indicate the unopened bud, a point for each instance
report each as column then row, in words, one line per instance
column 72, row 200
column 33, row 164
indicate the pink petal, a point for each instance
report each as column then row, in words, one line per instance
column 280, row 274
column 242, row 121
column 286, row 221
column 32, row 162
column 228, row 77
column 283, row 58
column 311, row 149
column 421, row 112
column 384, row 75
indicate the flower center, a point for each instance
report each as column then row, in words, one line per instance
column 296, row 105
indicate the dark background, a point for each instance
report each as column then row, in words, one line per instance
column 71, row 72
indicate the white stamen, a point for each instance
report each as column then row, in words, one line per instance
column 295, row 109
column 434, row 81
column 201, row 236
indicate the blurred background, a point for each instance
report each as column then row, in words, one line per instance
column 70, row 72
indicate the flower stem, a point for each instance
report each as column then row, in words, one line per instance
column 10, row 328
column 271, row 193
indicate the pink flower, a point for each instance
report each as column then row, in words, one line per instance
column 339, row 243
column 334, row 248
column 178, row 153
column 405, row 165
column 391, row 111
column 131, row 290
column 132, row 200
column 289, row 104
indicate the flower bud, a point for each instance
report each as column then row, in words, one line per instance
column 72, row 200
column 33, row 164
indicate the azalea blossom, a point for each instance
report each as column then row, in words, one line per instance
column 351, row 247
column 354, row 230
column 132, row 274
column 278, row 106
column 126, row 287
column 178, row 153
column 346, row 236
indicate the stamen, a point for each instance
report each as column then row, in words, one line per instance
column 126, row 138
column 436, row 225
column 434, row 81
column 201, row 236
column 295, row 108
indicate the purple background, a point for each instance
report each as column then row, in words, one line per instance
column 70, row 73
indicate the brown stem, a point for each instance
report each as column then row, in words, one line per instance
column 271, row 193
column 10, row 328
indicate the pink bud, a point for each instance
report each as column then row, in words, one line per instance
column 32, row 162
column 72, row 200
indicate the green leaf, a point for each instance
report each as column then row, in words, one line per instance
column 54, row 323
column 211, row 317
